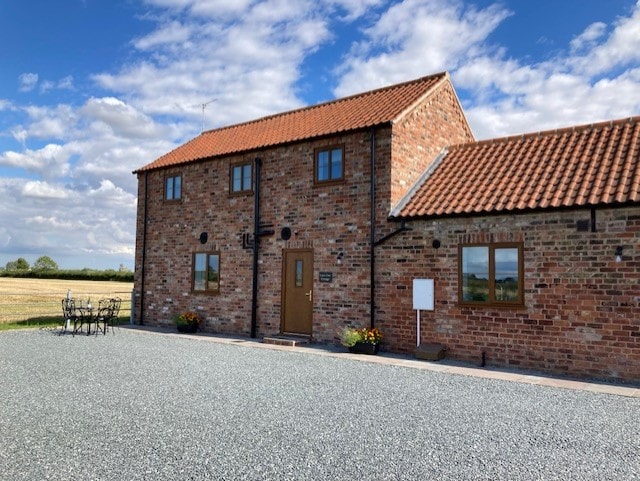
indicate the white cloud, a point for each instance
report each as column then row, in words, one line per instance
column 253, row 52
column 206, row 8
column 6, row 105
column 5, row 237
column 65, row 220
column 27, row 81
column 50, row 157
column 51, row 122
column 43, row 190
column 414, row 38
column 46, row 85
column 589, row 37
column 66, row 83
column 169, row 34
column 502, row 96
column 585, row 84
column 20, row 134
column 121, row 119
column 620, row 49
column 355, row 8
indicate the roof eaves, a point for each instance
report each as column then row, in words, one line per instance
column 517, row 211
column 399, row 207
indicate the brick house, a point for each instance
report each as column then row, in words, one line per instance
column 315, row 219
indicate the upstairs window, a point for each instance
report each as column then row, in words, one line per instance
column 206, row 272
column 329, row 165
column 241, row 178
column 173, row 188
column 491, row 274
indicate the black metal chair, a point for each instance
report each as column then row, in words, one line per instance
column 115, row 320
column 108, row 311
column 70, row 315
column 103, row 315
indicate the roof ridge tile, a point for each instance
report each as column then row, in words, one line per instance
column 544, row 133
column 325, row 103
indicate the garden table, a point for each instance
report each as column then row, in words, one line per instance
column 86, row 316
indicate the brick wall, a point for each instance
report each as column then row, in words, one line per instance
column 581, row 315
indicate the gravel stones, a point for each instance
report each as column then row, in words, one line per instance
column 133, row 406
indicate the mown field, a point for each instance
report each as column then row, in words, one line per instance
column 38, row 301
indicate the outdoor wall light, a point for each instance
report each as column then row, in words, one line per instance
column 619, row 250
column 340, row 257
column 435, row 244
column 204, row 237
column 285, row 233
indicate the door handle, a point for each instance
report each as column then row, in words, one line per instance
column 309, row 294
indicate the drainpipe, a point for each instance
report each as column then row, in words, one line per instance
column 256, row 240
column 372, row 240
column 144, row 247
column 403, row 228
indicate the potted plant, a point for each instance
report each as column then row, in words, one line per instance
column 361, row 340
column 188, row 321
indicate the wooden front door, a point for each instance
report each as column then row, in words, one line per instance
column 297, row 292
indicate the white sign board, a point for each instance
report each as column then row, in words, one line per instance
column 423, row 294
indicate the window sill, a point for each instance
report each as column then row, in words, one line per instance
column 488, row 305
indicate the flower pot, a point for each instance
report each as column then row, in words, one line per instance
column 365, row 348
column 187, row 328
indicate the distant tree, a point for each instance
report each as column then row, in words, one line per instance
column 45, row 263
column 20, row 264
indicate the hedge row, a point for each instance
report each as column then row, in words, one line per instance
column 76, row 275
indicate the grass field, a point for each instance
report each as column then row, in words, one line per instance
column 38, row 301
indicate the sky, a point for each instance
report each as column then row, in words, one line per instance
column 91, row 90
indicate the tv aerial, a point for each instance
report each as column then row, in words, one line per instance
column 204, row 105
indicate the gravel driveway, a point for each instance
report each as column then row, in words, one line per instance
column 135, row 406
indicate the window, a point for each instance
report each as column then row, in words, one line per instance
column 299, row 278
column 241, row 178
column 206, row 272
column 329, row 165
column 491, row 274
column 173, row 188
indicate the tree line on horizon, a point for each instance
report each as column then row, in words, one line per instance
column 46, row 268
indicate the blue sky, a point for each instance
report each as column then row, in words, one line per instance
column 90, row 90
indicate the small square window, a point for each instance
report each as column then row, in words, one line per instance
column 241, row 178
column 329, row 165
column 173, row 188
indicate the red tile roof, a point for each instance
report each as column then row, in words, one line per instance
column 581, row 166
column 356, row 112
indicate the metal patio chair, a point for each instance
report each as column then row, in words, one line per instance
column 70, row 315
column 108, row 311
column 103, row 315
